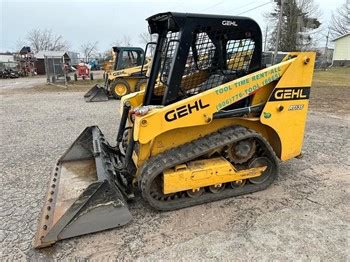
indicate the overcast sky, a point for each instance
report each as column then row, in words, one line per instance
column 108, row 21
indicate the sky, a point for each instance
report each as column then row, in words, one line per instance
column 109, row 21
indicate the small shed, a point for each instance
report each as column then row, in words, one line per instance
column 341, row 55
column 53, row 58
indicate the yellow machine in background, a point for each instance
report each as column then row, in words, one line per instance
column 212, row 123
column 128, row 80
column 124, row 74
column 108, row 65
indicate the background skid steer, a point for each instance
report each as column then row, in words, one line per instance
column 212, row 125
column 126, row 75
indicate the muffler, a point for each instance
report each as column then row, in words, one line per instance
column 96, row 94
column 82, row 196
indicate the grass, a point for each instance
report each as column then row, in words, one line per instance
column 73, row 86
column 332, row 77
column 338, row 76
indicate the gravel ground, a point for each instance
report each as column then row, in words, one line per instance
column 22, row 82
column 304, row 215
column 30, row 82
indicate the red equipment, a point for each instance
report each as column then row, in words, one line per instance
column 82, row 71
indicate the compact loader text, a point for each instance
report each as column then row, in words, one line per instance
column 211, row 123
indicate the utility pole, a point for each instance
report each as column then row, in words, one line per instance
column 279, row 27
column 265, row 40
column 326, row 51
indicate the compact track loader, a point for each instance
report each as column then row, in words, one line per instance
column 212, row 123
column 128, row 75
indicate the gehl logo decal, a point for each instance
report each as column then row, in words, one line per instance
column 229, row 23
column 185, row 110
column 293, row 93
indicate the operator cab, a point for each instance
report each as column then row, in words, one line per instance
column 127, row 57
column 196, row 52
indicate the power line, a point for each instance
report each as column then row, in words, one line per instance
column 254, row 8
column 243, row 6
column 240, row 7
column 209, row 7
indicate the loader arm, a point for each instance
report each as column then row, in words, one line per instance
column 202, row 106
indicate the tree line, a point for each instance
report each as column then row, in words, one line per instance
column 299, row 28
column 46, row 40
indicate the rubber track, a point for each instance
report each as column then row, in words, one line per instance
column 190, row 151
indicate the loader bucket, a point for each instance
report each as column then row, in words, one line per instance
column 96, row 94
column 82, row 197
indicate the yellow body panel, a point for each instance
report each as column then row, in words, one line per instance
column 134, row 99
column 202, row 173
column 288, row 117
column 204, row 104
column 282, row 122
column 166, row 140
column 108, row 66
column 127, row 72
column 127, row 75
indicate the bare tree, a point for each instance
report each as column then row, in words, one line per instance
column 20, row 43
column 116, row 43
column 145, row 38
column 89, row 49
column 105, row 55
column 45, row 40
column 340, row 23
column 126, row 40
column 299, row 21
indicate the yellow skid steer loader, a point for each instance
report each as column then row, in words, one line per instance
column 212, row 123
column 128, row 75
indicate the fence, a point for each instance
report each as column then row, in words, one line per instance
column 267, row 57
column 56, row 68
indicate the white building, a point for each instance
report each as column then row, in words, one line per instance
column 6, row 57
column 7, row 61
column 341, row 55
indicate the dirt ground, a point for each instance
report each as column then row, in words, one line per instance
column 304, row 215
column 22, row 82
column 35, row 81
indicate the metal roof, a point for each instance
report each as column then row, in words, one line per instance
column 42, row 54
column 347, row 34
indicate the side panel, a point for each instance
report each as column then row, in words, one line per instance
column 199, row 109
column 286, row 109
column 166, row 140
column 127, row 71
